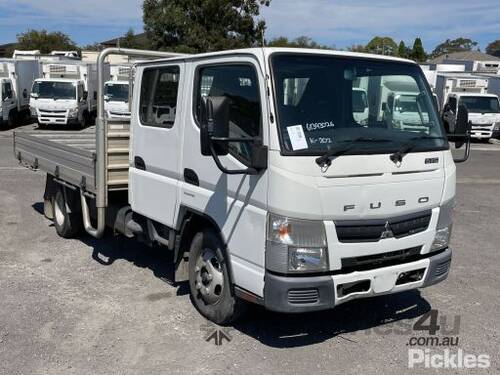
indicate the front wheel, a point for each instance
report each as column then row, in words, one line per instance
column 211, row 290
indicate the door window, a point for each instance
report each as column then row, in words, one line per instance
column 239, row 83
column 7, row 91
column 453, row 104
column 159, row 92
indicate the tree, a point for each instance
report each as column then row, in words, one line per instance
column 382, row 46
column 199, row 26
column 300, row 42
column 418, row 53
column 44, row 41
column 455, row 45
column 494, row 48
column 402, row 50
column 129, row 40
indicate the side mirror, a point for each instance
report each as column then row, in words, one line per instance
column 462, row 127
column 461, row 134
column 85, row 95
column 446, row 108
column 107, row 98
column 215, row 126
column 214, row 137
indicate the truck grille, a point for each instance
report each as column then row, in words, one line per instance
column 375, row 230
column 367, row 262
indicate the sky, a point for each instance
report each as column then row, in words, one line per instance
column 337, row 23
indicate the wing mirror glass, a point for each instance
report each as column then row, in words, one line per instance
column 215, row 139
column 461, row 134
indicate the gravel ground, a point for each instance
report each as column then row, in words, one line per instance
column 108, row 306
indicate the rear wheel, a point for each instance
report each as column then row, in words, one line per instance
column 67, row 224
column 211, row 290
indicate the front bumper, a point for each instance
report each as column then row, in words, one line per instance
column 305, row 294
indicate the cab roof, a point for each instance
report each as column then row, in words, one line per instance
column 267, row 51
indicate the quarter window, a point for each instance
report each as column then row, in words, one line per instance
column 159, row 92
column 239, row 83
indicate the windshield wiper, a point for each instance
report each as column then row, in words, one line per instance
column 405, row 149
column 347, row 145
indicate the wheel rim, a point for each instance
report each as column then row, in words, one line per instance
column 58, row 213
column 209, row 277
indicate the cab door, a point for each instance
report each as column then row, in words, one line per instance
column 155, row 140
column 237, row 203
column 8, row 100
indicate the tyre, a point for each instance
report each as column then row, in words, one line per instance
column 212, row 292
column 84, row 122
column 68, row 225
column 12, row 119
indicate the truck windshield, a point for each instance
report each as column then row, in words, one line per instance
column 318, row 100
column 117, row 92
column 480, row 104
column 55, row 90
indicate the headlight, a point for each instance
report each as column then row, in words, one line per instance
column 73, row 112
column 444, row 226
column 33, row 112
column 496, row 127
column 296, row 246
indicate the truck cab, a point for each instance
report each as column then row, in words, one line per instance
column 307, row 207
column 59, row 102
column 116, row 97
column 484, row 113
column 8, row 105
column 403, row 112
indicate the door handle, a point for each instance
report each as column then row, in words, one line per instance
column 139, row 163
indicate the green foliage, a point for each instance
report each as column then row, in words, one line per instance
column 402, row 50
column 129, row 40
column 494, row 48
column 44, row 41
column 203, row 25
column 417, row 52
column 300, row 42
column 382, row 46
column 455, row 45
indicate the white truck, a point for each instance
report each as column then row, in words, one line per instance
column 484, row 113
column 66, row 94
column 116, row 92
column 16, row 79
column 283, row 201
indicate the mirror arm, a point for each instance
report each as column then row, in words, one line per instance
column 248, row 171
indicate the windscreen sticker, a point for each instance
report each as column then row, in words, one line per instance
column 297, row 137
column 319, row 126
column 320, row 140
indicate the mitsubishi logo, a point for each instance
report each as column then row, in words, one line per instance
column 387, row 233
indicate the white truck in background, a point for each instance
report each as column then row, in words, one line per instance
column 67, row 94
column 484, row 113
column 16, row 79
column 263, row 193
column 116, row 92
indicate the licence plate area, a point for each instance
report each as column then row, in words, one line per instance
column 380, row 281
column 48, row 120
